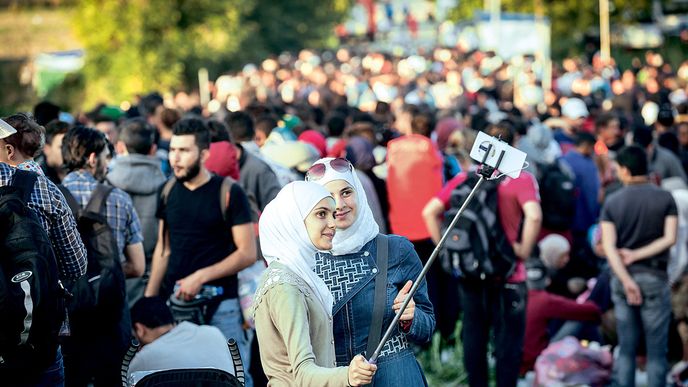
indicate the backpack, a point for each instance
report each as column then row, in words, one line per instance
column 558, row 196
column 31, row 302
column 100, row 295
column 476, row 249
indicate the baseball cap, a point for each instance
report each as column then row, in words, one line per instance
column 6, row 129
column 574, row 108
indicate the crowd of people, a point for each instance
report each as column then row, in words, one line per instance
column 195, row 196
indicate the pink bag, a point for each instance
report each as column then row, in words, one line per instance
column 567, row 362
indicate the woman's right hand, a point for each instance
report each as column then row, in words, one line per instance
column 360, row 372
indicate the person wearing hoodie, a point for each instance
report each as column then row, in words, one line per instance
column 138, row 173
column 539, row 146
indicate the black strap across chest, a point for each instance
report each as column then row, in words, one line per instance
column 380, row 298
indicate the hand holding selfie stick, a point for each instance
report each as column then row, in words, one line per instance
column 486, row 173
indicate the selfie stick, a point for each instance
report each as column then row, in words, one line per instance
column 486, row 173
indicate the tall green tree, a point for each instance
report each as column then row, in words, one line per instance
column 295, row 24
column 134, row 46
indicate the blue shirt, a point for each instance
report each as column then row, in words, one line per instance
column 120, row 212
column 588, row 186
column 54, row 214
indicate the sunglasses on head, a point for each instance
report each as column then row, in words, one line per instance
column 317, row 171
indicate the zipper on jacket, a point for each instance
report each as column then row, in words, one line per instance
column 348, row 332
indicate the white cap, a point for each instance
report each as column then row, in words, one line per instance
column 574, row 108
column 6, row 129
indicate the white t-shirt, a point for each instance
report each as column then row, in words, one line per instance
column 185, row 346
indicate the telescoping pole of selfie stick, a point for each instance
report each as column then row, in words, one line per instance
column 485, row 174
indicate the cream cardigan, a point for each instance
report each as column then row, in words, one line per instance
column 294, row 333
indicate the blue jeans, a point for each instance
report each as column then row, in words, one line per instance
column 53, row 376
column 652, row 317
column 229, row 320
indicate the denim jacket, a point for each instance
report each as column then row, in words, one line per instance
column 351, row 279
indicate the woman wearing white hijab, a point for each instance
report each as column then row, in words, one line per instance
column 293, row 307
column 350, row 272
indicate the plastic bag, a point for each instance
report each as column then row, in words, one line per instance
column 567, row 362
column 249, row 279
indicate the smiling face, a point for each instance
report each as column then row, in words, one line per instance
column 320, row 224
column 346, row 208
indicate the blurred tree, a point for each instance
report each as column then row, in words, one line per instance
column 295, row 24
column 571, row 20
column 134, row 46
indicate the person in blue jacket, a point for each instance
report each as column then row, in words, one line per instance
column 350, row 270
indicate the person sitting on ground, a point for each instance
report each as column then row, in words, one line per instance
column 543, row 307
column 167, row 345
column 555, row 252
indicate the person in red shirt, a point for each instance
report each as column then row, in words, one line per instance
column 414, row 176
column 544, row 307
column 500, row 305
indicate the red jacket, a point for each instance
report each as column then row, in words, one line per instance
column 543, row 307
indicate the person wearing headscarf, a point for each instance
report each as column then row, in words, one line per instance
column 293, row 306
column 349, row 270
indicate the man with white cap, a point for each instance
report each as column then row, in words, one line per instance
column 6, row 130
column 573, row 114
column 20, row 148
column 54, row 215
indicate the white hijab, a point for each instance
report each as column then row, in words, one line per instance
column 364, row 227
column 284, row 238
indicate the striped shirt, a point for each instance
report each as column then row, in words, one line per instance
column 120, row 212
column 54, row 214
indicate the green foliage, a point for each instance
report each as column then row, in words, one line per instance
column 465, row 9
column 69, row 94
column 442, row 363
column 571, row 20
column 292, row 25
column 134, row 46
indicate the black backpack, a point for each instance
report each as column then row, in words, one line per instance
column 476, row 249
column 31, row 302
column 557, row 195
column 100, row 295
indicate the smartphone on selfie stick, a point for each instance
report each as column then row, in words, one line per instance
column 496, row 159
